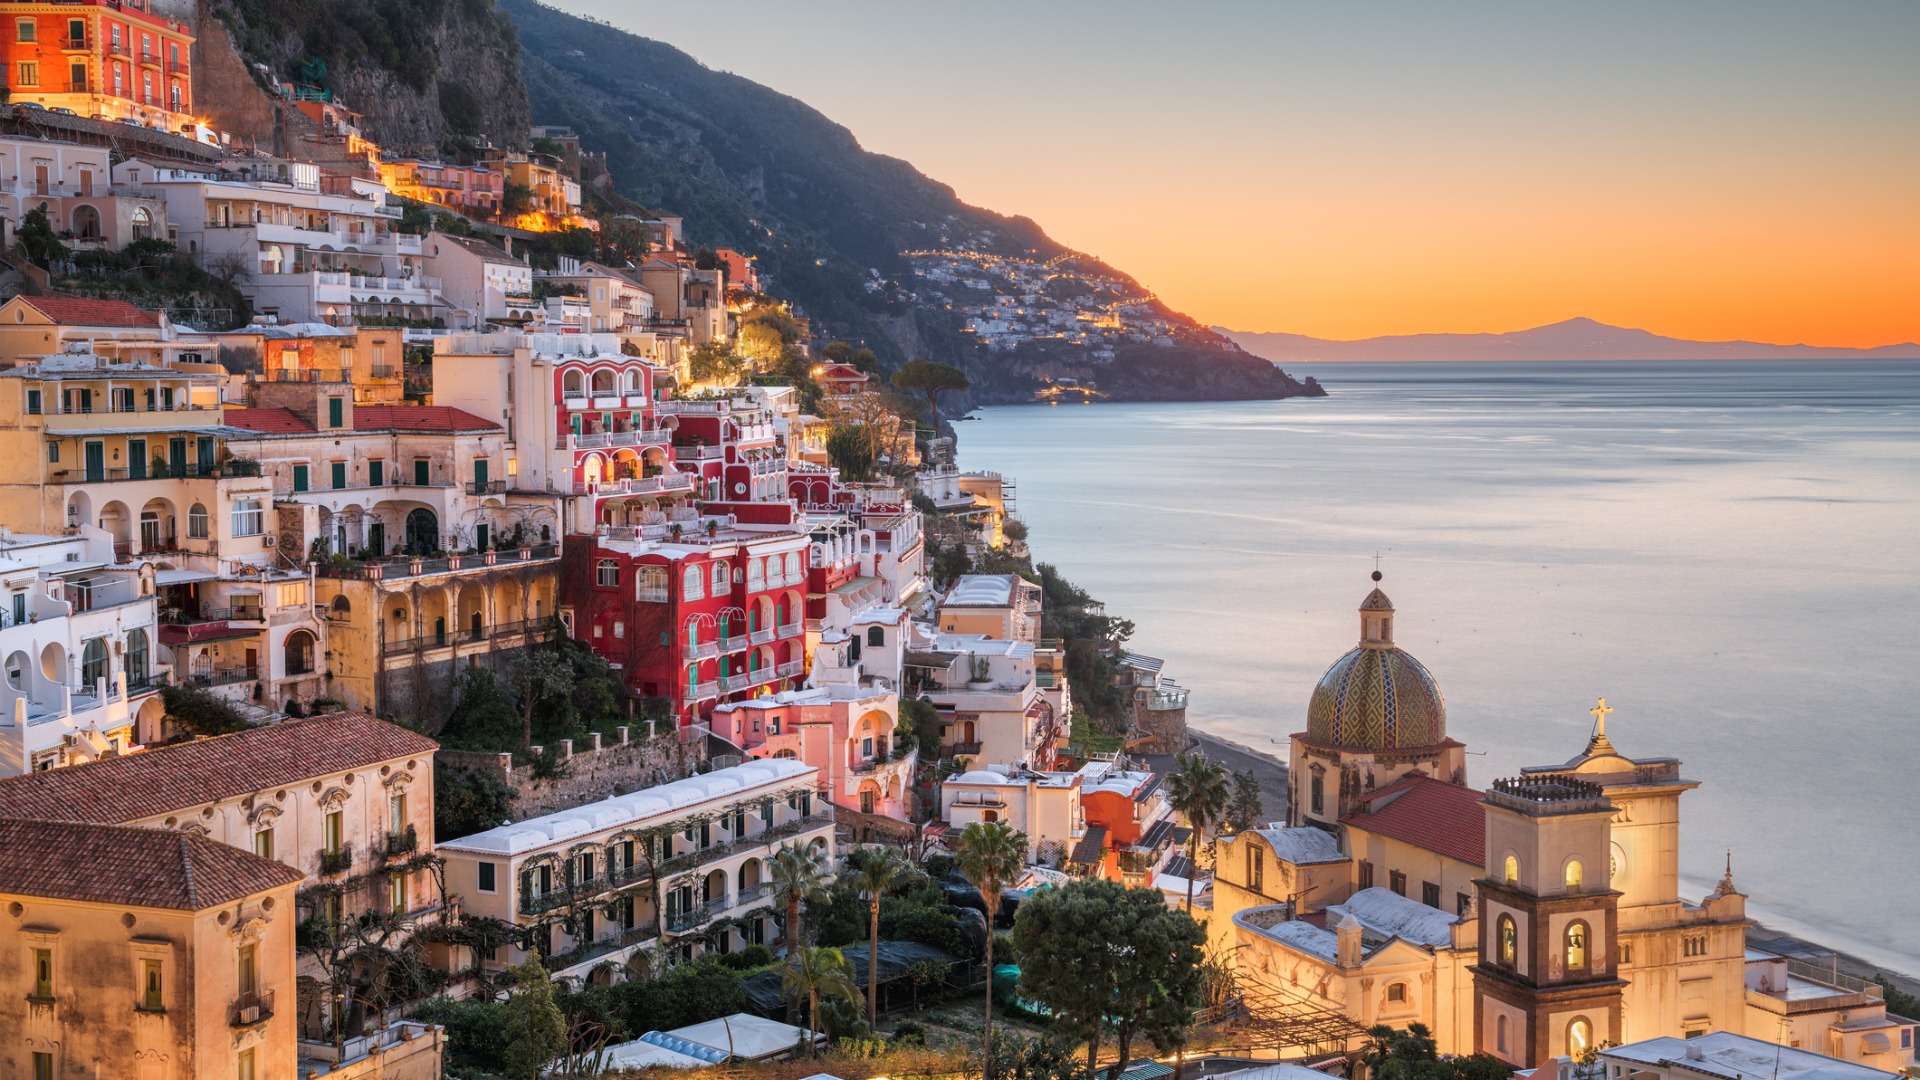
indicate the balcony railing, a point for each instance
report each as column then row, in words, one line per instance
column 403, row 842
column 401, row 566
column 652, row 594
column 791, row 668
column 486, row 487
column 699, row 650
column 75, row 44
column 596, row 440
column 733, row 643
column 730, row 683
column 211, row 677
column 702, row 690
column 790, row 630
column 336, row 862
column 762, row 636
column 686, row 920
column 250, row 1009
column 158, row 471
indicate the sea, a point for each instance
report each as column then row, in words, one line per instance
column 1728, row 552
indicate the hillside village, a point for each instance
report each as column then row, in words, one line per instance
column 459, row 625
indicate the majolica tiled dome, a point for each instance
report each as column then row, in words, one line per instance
column 1377, row 697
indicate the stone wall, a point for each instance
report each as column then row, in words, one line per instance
column 1156, row 731
column 616, row 764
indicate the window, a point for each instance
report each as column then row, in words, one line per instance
column 197, row 522
column 1430, row 894
column 1397, row 993
column 263, row 843
column 720, row 579
column 1398, row 881
column 43, row 973
column 153, row 986
column 339, row 474
column 33, row 402
column 690, row 588
column 1579, row 1036
column 876, row 637
column 1508, row 938
column 1461, row 903
column 1576, row 947
column 244, row 1069
column 300, row 653
column 397, row 892
column 1575, row 875
column 488, row 882
column 1500, row 1034
column 1626, row 953
column 300, row 478
column 27, row 30
column 335, row 830
column 53, row 453
column 248, row 519
column 376, row 473
column 336, row 412
column 1511, row 871
column 1319, row 795
column 291, row 595
column 397, row 814
column 42, row 1065
column 1366, row 875
column 1256, row 867
column 607, row 574
column 422, row 472
column 29, row 73
column 93, row 663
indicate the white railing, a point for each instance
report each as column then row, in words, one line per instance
column 791, row 668
column 790, row 630
column 697, row 453
column 600, row 439
column 762, row 636
column 702, row 690
column 699, row 650
column 647, row 485
column 730, row 683
column 652, row 594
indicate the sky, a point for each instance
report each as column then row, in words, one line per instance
column 1741, row 170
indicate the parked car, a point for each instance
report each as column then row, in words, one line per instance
column 63, row 110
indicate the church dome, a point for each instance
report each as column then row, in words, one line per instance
column 1377, row 697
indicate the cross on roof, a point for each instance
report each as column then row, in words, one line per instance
column 1600, row 712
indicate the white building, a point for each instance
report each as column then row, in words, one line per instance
column 1721, row 1055
column 77, row 634
column 482, row 284
column 682, row 866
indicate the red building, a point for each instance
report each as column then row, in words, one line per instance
column 1130, row 828
column 106, row 59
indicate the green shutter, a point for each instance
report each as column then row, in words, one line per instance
column 339, row 474
column 336, row 412
column 299, row 478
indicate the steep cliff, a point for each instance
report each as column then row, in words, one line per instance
column 429, row 75
column 832, row 225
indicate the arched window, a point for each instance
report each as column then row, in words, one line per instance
column 690, row 584
column 602, row 382
column 606, row 574
column 142, row 221
column 136, row 658
column 93, row 663
column 720, row 579
column 1508, row 938
column 341, row 606
column 196, row 522
column 1319, row 795
column 1511, row 870
column 1579, row 1036
column 1576, row 947
column 573, row 384
column 300, row 653
column 85, row 222
column 1500, row 1034
column 793, row 566
column 876, row 637
column 1576, row 875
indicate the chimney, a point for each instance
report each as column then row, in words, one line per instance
column 1347, row 929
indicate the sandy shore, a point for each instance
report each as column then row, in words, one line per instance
column 1273, row 789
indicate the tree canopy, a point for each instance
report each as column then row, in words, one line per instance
column 932, row 378
column 1096, row 952
column 1412, row 1055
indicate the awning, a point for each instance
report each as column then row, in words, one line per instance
column 180, row 577
column 1875, row 1042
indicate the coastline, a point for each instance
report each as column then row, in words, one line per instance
column 1272, row 773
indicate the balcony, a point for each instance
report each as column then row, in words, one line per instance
column 764, row 635
column 652, row 594
column 593, row 950
column 402, row 843
column 486, row 487
column 699, row 650
column 698, row 453
column 486, row 632
column 791, row 630
column 791, row 669
column 733, row 643
column 702, row 690
column 645, row 485
column 336, row 862
column 406, row 566
column 730, row 683
column 597, row 440
column 159, row 471
column 207, row 678
column 250, row 1009
column 76, row 44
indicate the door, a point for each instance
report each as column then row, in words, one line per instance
column 203, row 451
column 480, row 476
column 420, row 475
column 137, row 459
column 40, row 178
column 253, row 662
column 96, row 461
column 177, row 457
column 377, row 538
column 300, row 478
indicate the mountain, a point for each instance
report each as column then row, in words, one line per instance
column 864, row 243
column 1574, row 339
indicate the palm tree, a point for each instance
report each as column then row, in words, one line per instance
column 990, row 854
column 798, row 874
column 1198, row 790
column 874, row 871
column 814, row 973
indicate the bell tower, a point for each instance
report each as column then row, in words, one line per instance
column 1545, row 984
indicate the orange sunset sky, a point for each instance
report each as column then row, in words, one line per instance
column 1708, row 170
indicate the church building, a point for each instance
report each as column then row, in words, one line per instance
column 1537, row 918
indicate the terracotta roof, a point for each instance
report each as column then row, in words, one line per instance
column 1427, row 813
column 845, row 372
column 75, row 311
column 276, row 421
column 418, row 418
column 117, row 790
column 122, row 866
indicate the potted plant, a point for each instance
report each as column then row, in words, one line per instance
column 713, row 528
column 674, row 530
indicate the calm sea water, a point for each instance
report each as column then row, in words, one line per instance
column 1729, row 552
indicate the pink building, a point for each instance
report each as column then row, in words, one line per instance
column 851, row 734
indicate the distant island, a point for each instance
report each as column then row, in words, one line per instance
column 1574, row 339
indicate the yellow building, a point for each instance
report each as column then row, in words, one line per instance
column 342, row 802
column 1005, row 607
column 143, row 953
